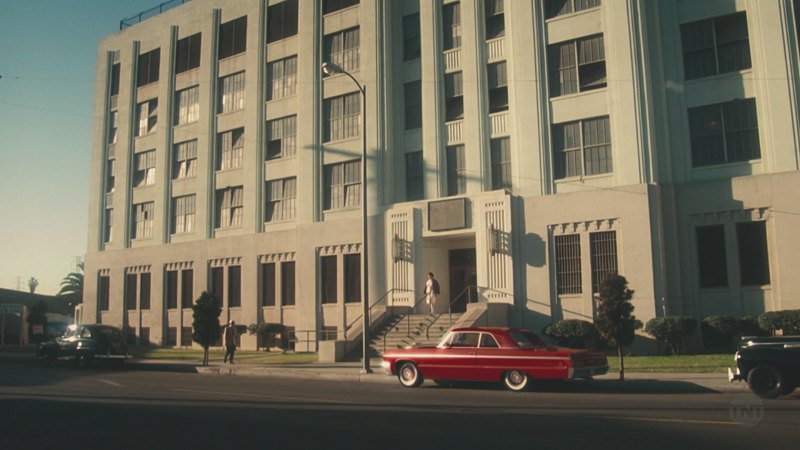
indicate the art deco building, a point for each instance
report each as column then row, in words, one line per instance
column 526, row 148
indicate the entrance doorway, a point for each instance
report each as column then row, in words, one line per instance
column 463, row 278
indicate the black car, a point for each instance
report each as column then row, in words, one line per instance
column 770, row 365
column 86, row 344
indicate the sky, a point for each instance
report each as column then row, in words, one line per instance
column 48, row 57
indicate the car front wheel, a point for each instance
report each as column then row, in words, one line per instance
column 765, row 381
column 409, row 375
column 515, row 380
column 47, row 359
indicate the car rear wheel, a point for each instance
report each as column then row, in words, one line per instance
column 516, row 380
column 409, row 375
column 765, row 381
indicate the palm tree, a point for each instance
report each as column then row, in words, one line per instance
column 72, row 287
column 33, row 283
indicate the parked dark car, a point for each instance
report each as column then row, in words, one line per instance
column 86, row 344
column 770, row 365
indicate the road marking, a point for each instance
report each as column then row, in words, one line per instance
column 660, row 419
column 111, row 383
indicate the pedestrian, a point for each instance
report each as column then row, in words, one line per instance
column 231, row 335
column 432, row 291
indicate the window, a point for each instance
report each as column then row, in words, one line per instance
column 411, row 37
column 217, row 279
column 282, row 78
column 282, row 137
column 230, row 149
column 753, row 253
column 231, row 93
column 415, row 189
column 328, row 333
column 711, row 256
column 232, row 37
column 234, row 286
column 184, row 160
column 465, row 340
column 187, row 106
column 110, row 178
column 103, row 290
column 451, row 25
column 147, row 117
column 724, row 133
column 183, row 210
column 488, row 341
column 342, row 117
column 114, row 88
column 229, row 207
column 352, row 278
column 113, row 124
column 456, row 170
column 143, row 220
column 603, row 247
column 413, row 97
column 454, row 96
column 144, row 168
column 501, row 163
column 715, row 46
column 130, row 291
column 281, row 21
column 187, row 288
column 577, row 66
column 108, row 233
column 287, row 283
column 171, row 289
column 186, row 336
column 187, row 54
column 582, row 148
column 147, row 68
column 495, row 18
column 281, row 196
column 343, row 185
column 329, row 6
column 554, row 8
column 172, row 337
column 144, row 290
column 568, row 264
column 341, row 48
column 329, row 276
column 268, row 284
column 498, row 87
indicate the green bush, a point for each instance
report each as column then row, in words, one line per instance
column 671, row 330
column 787, row 321
column 719, row 332
column 269, row 333
column 748, row 326
column 572, row 333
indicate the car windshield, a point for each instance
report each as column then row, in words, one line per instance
column 525, row 339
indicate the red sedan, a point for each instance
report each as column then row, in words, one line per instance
column 511, row 355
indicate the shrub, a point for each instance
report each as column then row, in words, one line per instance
column 572, row 333
column 671, row 330
column 267, row 332
column 748, row 326
column 719, row 331
column 787, row 321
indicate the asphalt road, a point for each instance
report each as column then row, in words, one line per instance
column 65, row 407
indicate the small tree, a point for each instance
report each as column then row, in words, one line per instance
column 615, row 321
column 33, row 283
column 671, row 330
column 205, row 326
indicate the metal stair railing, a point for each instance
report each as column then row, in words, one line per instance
column 468, row 291
column 381, row 299
column 407, row 318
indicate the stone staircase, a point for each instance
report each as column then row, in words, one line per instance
column 405, row 331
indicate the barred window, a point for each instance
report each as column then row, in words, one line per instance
column 456, row 170
column 724, row 133
column 282, row 137
column 415, row 183
column 498, row 87
column 184, row 160
column 144, row 169
column 230, row 203
column 342, row 117
column 582, row 148
column 451, row 25
column 147, row 117
column 715, row 46
column 413, row 104
column 143, row 220
column 183, row 211
column 501, row 163
column 603, row 248
column 231, row 93
column 495, row 18
column 454, row 96
column 281, row 199
column 187, row 106
column 282, row 20
column 568, row 264
column 232, row 37
column 341, row 48
column 577, row 66
column 147, row 67
column 411, row 37
column 554, row 8
column 230, row 149
column 343, row 185
column 282, row 78
column 187, row 53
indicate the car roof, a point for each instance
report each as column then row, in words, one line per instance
column 489, row 329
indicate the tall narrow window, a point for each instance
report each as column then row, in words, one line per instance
column 230, row 153
column 495, row 18
column 281, row 198
column 130, row 291
column 187, row 53
column 715, row 46
column 231, row 93
column 187, row 106
column 144, row 168
column 603, row 247
column 103, row 291
column 144, row 290
column 343, row 185
column 171, row 289
column 711, row 256
column 183, row 210
column 232, row 37
column 281, row 21
column 415, row 184
column 411, row 37
column 187, row 288
column 147, row 117
column 108, row 234
column 498, row 87
column 234, row 286
column 282, row 137
column 287, row 283
column 282, row 78
column 329, row 276
column 753, row 253
column 454, row 96
column 501, row 163
column 113, row 124
column 352, row 278
column 342, row 117
column 184, row 162
column 217, row 280
column 143, row 220
column 413, row 104
column 341, row 48
column 577, row 66
column 568, row 264
column 229, row 207
column 114, row 88
column 724, row 133
column 456, row 170
column 451, row 25
column 147, row 68
column 582, row 148
column 554, row 8
column 110, row 177
column 329, row 6
column 268, row 284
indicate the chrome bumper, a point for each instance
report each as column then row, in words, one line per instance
column 734, row 376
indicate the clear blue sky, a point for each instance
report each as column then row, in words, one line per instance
column 47, row 62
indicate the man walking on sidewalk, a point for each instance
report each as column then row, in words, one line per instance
column 231, row 336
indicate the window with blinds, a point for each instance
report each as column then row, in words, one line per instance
column 282, row 78
column 143, row 220
column 187, row 106
column 724, row 133
column 603, row 248
column 501, row 163
column 451, row 25
column 342, row 117
column 577, row 66
column 282, row 138
column 495, row 18
column 582, row 148
column 230, row 149
column 456, row 170
column 183, row 212
column 341, row 48
column 568, row 264
column 342, row 185
column 715, row 46
column 231, row 93
column 498, row 87
column 230, row 203
column 147, row 117
column 555, row 8
column 281, row 199
column 144, row 173
column 184, row 159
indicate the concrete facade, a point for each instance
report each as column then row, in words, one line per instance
column 647, row 201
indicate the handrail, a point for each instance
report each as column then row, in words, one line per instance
column 375, row 303
column 408, row 319
column 467, row 289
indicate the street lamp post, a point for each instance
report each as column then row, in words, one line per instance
column 330, row 69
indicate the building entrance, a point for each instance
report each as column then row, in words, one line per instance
column 463, row 278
